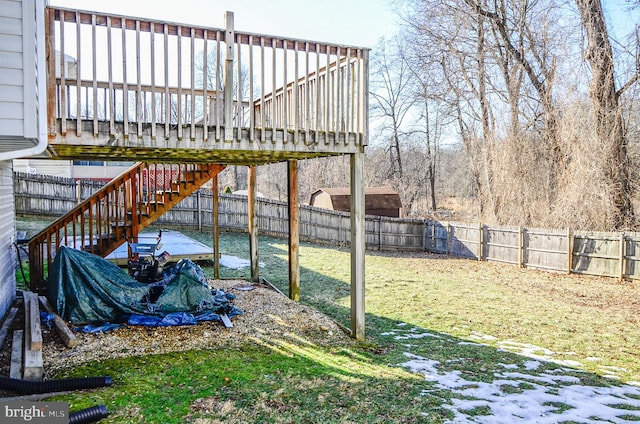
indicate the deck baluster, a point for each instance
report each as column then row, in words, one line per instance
column 78, row 80
column 228, row 78
column 63, row 82
column 321, row 104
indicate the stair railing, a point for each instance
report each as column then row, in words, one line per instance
column 116, row 213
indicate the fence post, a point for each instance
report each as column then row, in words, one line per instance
column 520, row 247
column 480, row 240
column 569, row 250
column 199, row 210
column 379, row 233
column 424, row 234
column 78, row 191
column 448, row 238
column 622, row 256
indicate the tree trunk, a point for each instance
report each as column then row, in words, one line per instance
column 487, row 127
column 608, row 116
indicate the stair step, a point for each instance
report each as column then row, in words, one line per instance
column 140, row 213
column 178, row 181
column 156, row 203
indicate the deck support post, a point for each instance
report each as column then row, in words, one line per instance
column 216, row 226
column 253, row 222
column 294, row 231
column 357, row 245
column 228, row 77
column 49, row 25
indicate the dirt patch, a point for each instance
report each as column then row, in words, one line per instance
column 267, row 314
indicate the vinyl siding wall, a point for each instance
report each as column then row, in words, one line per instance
column 11, row 69
column 7, row 235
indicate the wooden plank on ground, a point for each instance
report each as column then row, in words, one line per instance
column 226, row 321
column 32, row 358
column 67, row 336
column 6, row 325
column 34, row 329
column 33, row 366
column 15, row 369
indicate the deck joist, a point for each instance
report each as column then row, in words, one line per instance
column 247, row 148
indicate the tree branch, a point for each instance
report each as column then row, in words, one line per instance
column 628, row 84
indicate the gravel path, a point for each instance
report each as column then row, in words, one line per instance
column 266, row 314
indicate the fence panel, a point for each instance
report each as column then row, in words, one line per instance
column 398, row 234
column 437, row 237
column 233, row 212
column 43, row 195
column 501, row 244
column 545, row 249
column 632, row 255
column 325, row 226
column 86, row 189
column 273, row 218
column 464, row 240
column 596, row 253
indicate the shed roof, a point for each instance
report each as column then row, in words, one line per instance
column 374, row 198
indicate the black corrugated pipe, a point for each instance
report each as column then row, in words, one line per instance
column 89, row 415
column 25, row 387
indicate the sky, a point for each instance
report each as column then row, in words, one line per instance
column 358, row 23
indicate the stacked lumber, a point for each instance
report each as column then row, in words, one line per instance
column 32, row 368
column 26, row 350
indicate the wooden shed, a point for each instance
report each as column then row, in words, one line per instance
column 380, row 201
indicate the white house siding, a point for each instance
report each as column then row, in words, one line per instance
column 11, row 69
column 7, row 235
column 58, row 168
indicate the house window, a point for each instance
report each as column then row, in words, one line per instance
column 88, row 162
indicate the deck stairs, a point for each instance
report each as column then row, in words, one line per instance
column 116, row 213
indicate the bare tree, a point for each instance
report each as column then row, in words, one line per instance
column 604, row 96
column 392, row 100
column 452, row 35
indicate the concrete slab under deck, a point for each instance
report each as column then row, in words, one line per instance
column 178, row 245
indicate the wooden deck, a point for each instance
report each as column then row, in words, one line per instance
column 124, row 88
column 134, row 89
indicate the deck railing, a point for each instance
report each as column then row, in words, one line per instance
column 152, row 78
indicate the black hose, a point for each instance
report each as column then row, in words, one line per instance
column 89, row 415
column 25, row 387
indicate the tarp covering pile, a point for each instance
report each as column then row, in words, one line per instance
column 87, row 289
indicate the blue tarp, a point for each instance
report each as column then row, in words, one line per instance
column 87, row 289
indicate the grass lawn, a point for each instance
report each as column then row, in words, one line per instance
column 447, row 339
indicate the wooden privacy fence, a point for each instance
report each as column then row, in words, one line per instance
column 610, row 254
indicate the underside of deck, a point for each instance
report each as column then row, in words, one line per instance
column 248, row 147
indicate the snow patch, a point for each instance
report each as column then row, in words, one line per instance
column 233, row 262
column 480, row 336
column 546, row 398
column 413, row 333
